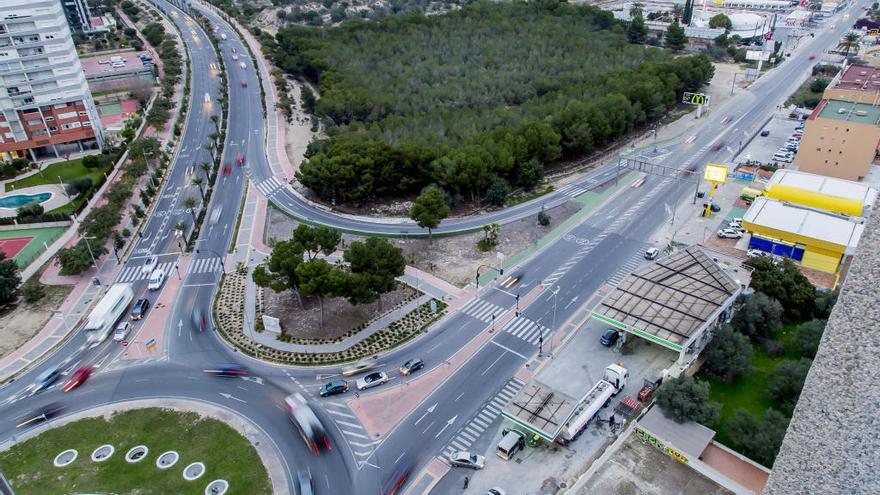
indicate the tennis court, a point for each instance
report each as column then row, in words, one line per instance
column 26, row 244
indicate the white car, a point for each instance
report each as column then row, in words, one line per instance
column 121, row 331
column 757, row 253
column 234, row 56
column 372, row 380
column 468, row 460
column 730, row 234
column 157, row 278
column 651, row 253
column 150, row 265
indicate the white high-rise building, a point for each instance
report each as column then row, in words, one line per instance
column 46, row 109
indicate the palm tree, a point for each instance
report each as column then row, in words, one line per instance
column 180, row 227
column 850, row 41
column 678, row 11
column 216, row 120
column 635, row 10
column 213, row 136
column 190, row 204
column 198, row 181
column 206, row 167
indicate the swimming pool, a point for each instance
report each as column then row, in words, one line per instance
column 18, row 200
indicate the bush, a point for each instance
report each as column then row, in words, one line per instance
column 729, row 354
column 29, row 211
column 91, row 161
column 758, row 441
column 543, row 218
column 756, row 315
column 33, row 292
column 773, row 348
column 786, row 383
column 685, row 399
column 498, row 192
column 808, row 337
column 819, row 84
column 78, row 186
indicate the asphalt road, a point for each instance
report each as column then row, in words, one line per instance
column 572, row 267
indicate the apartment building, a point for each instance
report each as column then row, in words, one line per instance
column 79, row 18
column 46, row 109
column 840, row 139
column 856, row 84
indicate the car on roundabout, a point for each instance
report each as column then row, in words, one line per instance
column 45, row 380
column 78, row 378
column 411, row 366
column 230, row 370
column 307, row 424
column 42, row 413
column 372, row 380
column 333, row 387
column 358, row 368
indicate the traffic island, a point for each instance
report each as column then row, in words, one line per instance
column 208, row 448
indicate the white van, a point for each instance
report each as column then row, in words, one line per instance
column 157, row 278
column 511, row 442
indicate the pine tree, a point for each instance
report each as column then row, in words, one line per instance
column 675, row 37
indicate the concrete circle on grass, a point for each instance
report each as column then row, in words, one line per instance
column 167, row 459
column 136, row 454
column 103, row 453
column 194, row 471
column 65, row 458
column 217, row 487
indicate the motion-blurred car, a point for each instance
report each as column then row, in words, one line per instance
column 42, row 413
column 468, row 460
column 140, row 309
column 358, row 368
column 411, row 366
column 304, row 480
column 333, row 387
column 78, row 378
column 372, row 380
column 396, row 481
column 511, row 281
column 310, row 428
column 121, row 331
column 46, row 379
column 227, row 369
column 198, row 320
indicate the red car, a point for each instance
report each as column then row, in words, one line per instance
column 239, row 159
column 811, row 57
column 78, row 378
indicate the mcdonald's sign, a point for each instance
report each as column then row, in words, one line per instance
column 695, row 99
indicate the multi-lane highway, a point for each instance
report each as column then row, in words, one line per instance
column 574, row 266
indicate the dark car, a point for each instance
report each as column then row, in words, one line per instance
column 46, row 379
column 395, row 483
column 609, row 337
column 411, row 366
column 43, row 413
column 198, row 319
column 227, row 369
column 765, row 133
column 304, row 480
column 140, row 309
column 334, row 387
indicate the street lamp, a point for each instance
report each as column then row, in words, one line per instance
column 215, row 253
column 92, row 255
column 61, row 183
column 541, row 341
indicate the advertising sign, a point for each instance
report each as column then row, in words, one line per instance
column 715, row 173
column 757, row 55
column 695, row 98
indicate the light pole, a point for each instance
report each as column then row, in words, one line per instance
column 541, row 339
column 95, row 263
column 61, row 183
column 215, row 253
column 144, row 154
column 177, row 269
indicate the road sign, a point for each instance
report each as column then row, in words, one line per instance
column 151, row 343
column 758, row 55
column 695, row 98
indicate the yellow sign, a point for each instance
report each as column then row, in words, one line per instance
column 873, row 32
column 719, row 2
column 715, row 173
column 694, row 98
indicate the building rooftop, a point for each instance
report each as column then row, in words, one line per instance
column 670, row 300
column 92, row 66
column 813, row 224
column 829, row 186
column 541, row 408
column 860, row 113
column 826, row 447
column 860, row 78
column 689, row 437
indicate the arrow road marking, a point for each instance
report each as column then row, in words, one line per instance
column 573, row 299
column 255, row 379
column 325, row 376
column 179, row 327
column 447, row 425
column 229, row 396
column 429, row 411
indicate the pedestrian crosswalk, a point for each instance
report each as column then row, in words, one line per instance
column 358, row 438
column 134, row 273
column 483, row 419
column 269, row 186
column 482, row 310
column 628, row 267
column 205, row 265
column 527, row 330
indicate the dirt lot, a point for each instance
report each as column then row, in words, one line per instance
column 642, row 469
column 340, row 318
column 23, row 322
column 454, row 259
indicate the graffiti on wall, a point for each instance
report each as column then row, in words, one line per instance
column 656, row 442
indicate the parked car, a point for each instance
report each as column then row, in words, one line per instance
column 372, row 380
column 149, row 265
column 496, row 490
column 140, row 309
column 730, row 234
column 411, row 366
column 333, row 387
column 765, row 133
column 157, row 278
column 757, row 253
column 358, row 368
column 609, row 338
column 78, row 378
column 121, row 331
column 651, row 253
column 467, row 459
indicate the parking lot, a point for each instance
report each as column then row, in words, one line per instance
column 762, row 148
column 573, row 370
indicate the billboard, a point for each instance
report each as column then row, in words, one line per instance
column 757, row 55
column 715, row 173
column 695, row 98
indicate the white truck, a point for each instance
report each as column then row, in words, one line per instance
column 106, row 313
column 611, row 383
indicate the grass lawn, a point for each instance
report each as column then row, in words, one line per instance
column 68, row 171
column 225, row 453
column 749, row 392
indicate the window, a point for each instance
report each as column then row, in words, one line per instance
column 66, row 115
column 40, row 132
column 53, row 129
column 34, row 122
column 60, row 106
column 72, row 125
column 49, row 118
column 87, row 124
column 83, row 114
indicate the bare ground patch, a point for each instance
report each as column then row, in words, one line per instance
column 456, row 258
column 20, row 324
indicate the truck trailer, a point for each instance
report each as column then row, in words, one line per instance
column 598, row 397
column 106, row 313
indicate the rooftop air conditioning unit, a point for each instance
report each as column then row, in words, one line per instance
column 861, row 113
column 841, row 110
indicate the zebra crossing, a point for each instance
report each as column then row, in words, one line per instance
column 269, row 186
column 205, row 265
column 482, row 310
column 481, row 421
column 361, row 445
column 134, row 273
column 527, row 330
column 631, row 264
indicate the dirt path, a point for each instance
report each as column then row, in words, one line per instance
column 23, row 322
